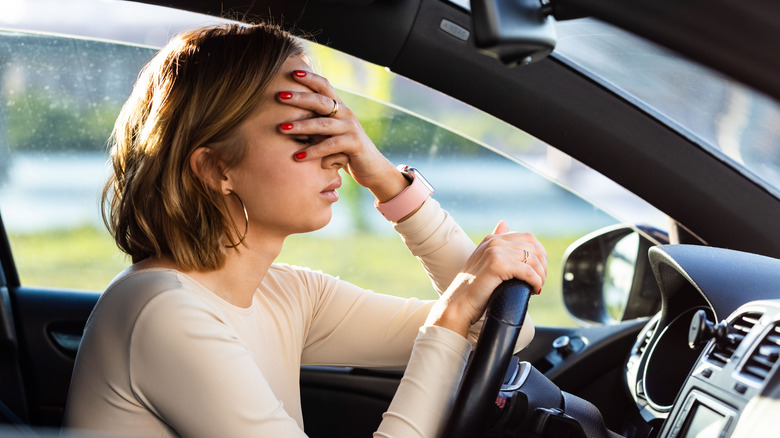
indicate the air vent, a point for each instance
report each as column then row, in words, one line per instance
column 764, row 357
column 739, row 327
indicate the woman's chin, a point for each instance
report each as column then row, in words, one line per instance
column 318, row 223
column 324, row 224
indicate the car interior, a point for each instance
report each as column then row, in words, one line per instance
column 693, row 347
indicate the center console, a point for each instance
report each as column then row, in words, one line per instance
column 734, row 367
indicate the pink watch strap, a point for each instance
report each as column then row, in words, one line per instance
column 405, row 202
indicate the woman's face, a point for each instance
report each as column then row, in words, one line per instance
column 282, row 196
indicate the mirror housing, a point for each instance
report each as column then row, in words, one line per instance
column 607, row 276
column 514, row 31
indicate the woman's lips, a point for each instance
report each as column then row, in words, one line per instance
column 330, row 192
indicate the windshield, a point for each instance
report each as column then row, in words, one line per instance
column 732, row 121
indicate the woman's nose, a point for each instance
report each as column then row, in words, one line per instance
column 334, row 161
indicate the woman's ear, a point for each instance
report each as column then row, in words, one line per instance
column 206, row 168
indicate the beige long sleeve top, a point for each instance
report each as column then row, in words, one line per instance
column 163, row 356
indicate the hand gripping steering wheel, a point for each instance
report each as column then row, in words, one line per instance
column 483, row 377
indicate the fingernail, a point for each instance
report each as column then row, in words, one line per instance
column 539, row 291
column 300, row 73
column 300, row 155
column 285, row 95
column 286, row 126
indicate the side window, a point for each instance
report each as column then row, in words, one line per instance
column 59, row 97
column 58, row 100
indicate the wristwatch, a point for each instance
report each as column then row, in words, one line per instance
column 409, row 199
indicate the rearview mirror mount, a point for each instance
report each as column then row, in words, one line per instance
column 514, row 31
column 518, row 31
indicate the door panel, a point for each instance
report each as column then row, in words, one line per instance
column 345, row 402
column 43, row 315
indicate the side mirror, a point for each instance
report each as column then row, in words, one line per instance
column 607, row 276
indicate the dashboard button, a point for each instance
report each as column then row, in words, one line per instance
column 563, row 345
column 740, row 388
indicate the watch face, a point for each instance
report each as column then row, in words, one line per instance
column 412, row 173
column 417, row 174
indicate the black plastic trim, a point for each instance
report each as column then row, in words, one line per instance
column 8, row 275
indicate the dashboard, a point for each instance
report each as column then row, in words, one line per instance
column 727, row 383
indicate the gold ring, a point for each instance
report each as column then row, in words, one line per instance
column 525, row 256
column 335, row 108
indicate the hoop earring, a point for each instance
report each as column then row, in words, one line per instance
column 246, row 226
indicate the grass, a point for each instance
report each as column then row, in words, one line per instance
column 78, row 258
column 86, row 258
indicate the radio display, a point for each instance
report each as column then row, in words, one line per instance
column 703, row 422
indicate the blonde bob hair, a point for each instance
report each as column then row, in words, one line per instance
column 193, row 93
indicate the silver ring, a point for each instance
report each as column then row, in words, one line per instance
column 335, row 108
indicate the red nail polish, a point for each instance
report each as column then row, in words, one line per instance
column 300, row 155
column 539, row 291
column 300, row 73
column 285, row 95
column 286, row 126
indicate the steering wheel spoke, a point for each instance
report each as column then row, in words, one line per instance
column 483, row 377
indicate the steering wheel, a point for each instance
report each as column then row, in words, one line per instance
column 484, row 375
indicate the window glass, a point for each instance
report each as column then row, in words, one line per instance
column 59, row 97
column 730, row 120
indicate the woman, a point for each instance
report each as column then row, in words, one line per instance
column 228, row 144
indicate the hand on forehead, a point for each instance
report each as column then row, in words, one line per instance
column 284, row 82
